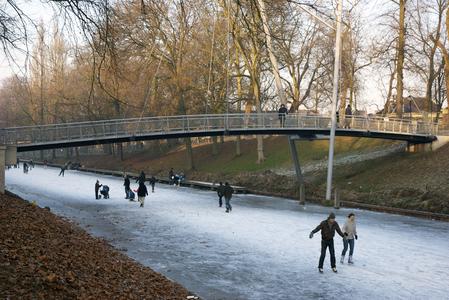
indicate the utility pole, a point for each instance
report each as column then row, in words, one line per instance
column 334, row 101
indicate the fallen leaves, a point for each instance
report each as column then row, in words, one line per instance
column 43, row 256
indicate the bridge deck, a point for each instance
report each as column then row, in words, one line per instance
column 118, row 131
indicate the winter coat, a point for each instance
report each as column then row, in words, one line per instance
column 349, row 228
column 97, row 186
column 348, row 111
column 326, row 232
column 141, row 179
column 127, row 183
column 228, row 191
column 282, row 112
column 142, row 191
column 220, row 190
column 170, row 174
column 152, row 181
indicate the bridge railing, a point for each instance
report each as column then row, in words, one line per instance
column 191, row 123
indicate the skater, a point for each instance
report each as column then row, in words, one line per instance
column 350, row 231
column 328, row 228
column 141, row 193
column 220, row 192
column 24, row 167
column 45, row 164
column 153, row 183
column 282, row 114
column 126, row 185
column 63, row 168
column 97, row 187
column 176, row 180
column 170, row 176
column 141, row 179
column 227, row 193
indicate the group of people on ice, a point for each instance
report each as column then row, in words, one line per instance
column 175, row 179
column 348, row 232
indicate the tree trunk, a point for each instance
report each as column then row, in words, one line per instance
column 401, row 54
column 53, row 153
column 77, row 154
column 67, row 154
column 189, row 152
column 215, row 145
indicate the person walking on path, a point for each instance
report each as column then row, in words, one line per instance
column 170, row 176
column 97, row 188
column 220, row 192
column 348, row 117
column 141, row 193
column 282, row 113
column 227, row 193
column 153, row 183
column 328, row 228
column 141, row 179
column 126, row 184
column 350, row 231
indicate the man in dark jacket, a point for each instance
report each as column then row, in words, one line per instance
column 282, row 113
column 220, row 192
column 328, row 228
column 141, row 193
column 126, row 185
column 227, row 193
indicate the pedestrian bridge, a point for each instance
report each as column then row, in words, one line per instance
column 39, row 137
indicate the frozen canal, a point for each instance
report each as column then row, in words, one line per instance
column 261, row 250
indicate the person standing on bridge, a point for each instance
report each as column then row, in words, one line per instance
column 97, row 188
column 227, row 193
column 282, row 114
column 126, row 184
column 348, row 117
column 328, row 228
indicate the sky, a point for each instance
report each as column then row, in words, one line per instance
column 260, row 250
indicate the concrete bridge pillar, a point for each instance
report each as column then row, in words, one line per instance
column 8, row 156
column 441, row 140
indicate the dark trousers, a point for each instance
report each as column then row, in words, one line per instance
column 324, row 245
column 96, row 194
column 220, row 202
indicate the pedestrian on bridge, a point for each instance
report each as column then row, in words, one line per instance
column 282, row 114
column 126, row 184
column 348, row 117
column 328, row 228
column 227, row 193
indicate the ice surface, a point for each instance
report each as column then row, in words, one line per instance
column 260, row 250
